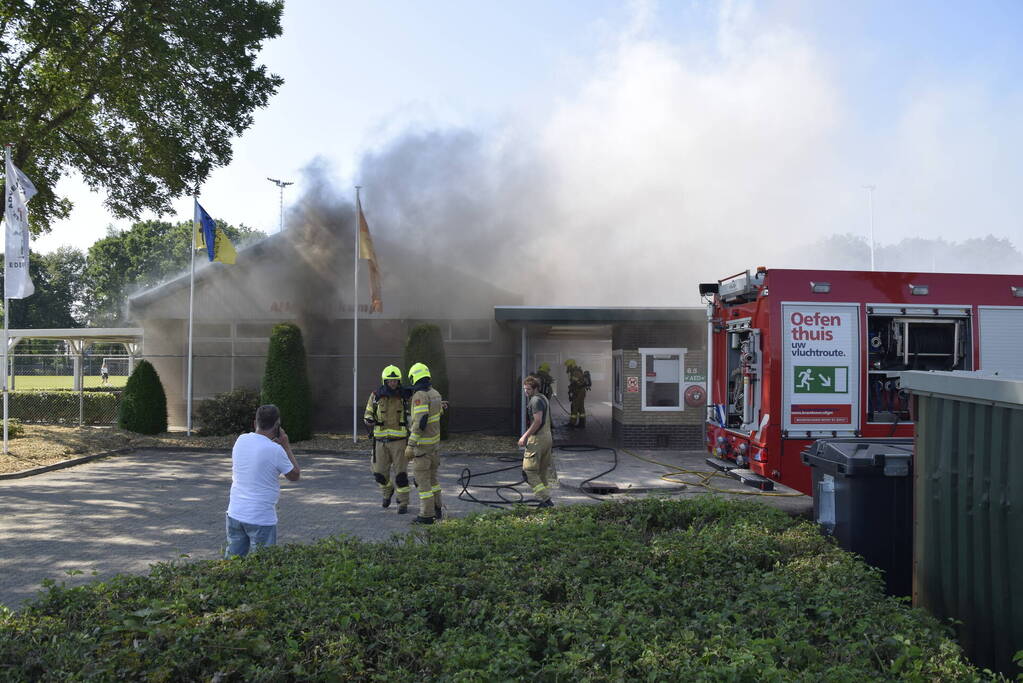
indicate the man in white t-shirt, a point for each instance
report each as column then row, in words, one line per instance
column 257, row 461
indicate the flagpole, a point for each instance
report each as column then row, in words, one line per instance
column 191, row 301
column 7, row 302
column 355, row 313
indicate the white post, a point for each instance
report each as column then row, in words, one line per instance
column 355, row 320
column 522, row 376
column 7, row 302
column 191, row 301
column 7, row 315
column 870, row 190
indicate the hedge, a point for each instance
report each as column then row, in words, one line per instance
column 286, row 381
column 231, row 412
column 425, row 344
column 691, row 590
column 61, row 406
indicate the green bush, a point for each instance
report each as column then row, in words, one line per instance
column 229, row 413
column 425, row 344
column 143, row 402
column 14, row 427
column 61, row 406
column 699, row 589
column 286, row 381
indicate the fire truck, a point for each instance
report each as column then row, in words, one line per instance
column 800, row 355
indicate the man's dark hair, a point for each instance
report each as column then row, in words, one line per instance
column 267, row 416
column 532, row 382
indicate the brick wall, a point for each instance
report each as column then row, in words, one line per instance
column 673, row 429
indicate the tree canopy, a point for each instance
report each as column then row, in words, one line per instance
column 57, row 302
column 141, row 97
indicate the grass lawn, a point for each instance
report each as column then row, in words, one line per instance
column 27, row 382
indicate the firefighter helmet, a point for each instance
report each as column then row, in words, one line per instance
column 391, row 372
column 418, row 372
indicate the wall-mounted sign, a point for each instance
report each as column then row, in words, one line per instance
column 694, row 373
column 632, row 385
column 633, row 364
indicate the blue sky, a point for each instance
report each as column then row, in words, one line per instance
column 681, row 119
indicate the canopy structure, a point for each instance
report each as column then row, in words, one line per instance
column 80, row 339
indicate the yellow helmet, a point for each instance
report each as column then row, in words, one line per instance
column 570, row 362
column 545, row 367
column 418, row 372
column 391, row 372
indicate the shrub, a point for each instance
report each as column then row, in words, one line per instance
column 229, row 413
column 652, row 590
column 143, row 403
column 14, row 428
column 286, row 381
column 425, row 344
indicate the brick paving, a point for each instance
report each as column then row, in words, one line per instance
column 123, row 513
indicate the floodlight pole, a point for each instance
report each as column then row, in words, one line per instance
column 281, row 184
column 870, row 189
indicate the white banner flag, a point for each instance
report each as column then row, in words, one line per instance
column 17, row 283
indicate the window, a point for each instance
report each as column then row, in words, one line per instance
column 618, row 382
column 662, row 379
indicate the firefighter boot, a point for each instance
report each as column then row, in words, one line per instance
column 388, row 495
column 402, row 508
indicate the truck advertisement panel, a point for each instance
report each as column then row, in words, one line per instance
column 820, row 367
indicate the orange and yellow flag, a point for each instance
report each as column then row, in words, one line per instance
column 366, row 252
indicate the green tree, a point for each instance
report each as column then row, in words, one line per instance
column 140, row 98
column 59, row 294
column 144, row 403
column 286, row 381
column 425, row 344
column 145, row 254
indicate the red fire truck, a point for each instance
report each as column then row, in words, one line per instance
column 800, row 355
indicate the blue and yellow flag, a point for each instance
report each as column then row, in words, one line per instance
column 211, row 238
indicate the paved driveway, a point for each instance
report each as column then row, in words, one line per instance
column 123, row 513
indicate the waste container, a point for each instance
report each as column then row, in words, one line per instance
column 863, row 495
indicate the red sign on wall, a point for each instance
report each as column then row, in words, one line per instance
column 632, row 385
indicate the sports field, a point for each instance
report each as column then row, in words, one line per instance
column 28, row 382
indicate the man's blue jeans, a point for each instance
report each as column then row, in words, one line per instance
column 242, row 537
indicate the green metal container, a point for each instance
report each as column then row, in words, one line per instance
column 968, row 509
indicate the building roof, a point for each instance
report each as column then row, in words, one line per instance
column 93, row 334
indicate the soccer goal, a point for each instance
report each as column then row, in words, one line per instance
column 117, row 365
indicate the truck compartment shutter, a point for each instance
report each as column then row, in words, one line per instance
column 1001, row 339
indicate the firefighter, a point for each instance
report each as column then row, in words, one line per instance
column 578, row 385
column 543, row 373
column 423, row 448
column 538, row 442
column 386, row 416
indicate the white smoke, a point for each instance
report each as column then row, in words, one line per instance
column 667, row 166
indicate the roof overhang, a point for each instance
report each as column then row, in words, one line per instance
column 92, row 334
column 597, row 315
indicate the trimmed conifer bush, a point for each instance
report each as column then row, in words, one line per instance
column 286, row 381
column 144, row 403
column 425, row 344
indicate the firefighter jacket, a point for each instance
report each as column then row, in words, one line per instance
column 577, row 383
column 387, row 410
column 426, row 402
